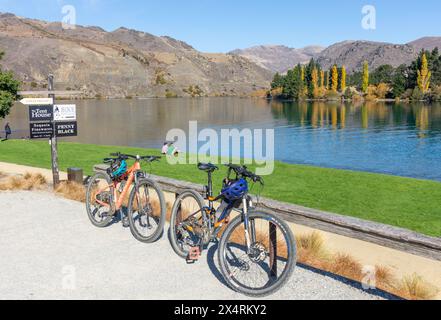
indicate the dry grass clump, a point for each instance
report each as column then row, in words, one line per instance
column 30, row 181
column 71, row 190
column 415, row 288
column 347, row 266
column 311, row 251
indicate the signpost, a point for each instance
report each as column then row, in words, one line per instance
column 41, row 113
column 66, row 129
column 47, row 120
column 40, row 130
column 65, row 112
column 37, row 101
column 53, row 141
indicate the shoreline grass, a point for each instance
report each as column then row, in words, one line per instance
column 403, row 202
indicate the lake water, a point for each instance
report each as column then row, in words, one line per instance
column 398, row 139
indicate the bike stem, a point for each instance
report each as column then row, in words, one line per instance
column 210, row 189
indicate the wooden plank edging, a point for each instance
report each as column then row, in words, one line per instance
column 378, row 233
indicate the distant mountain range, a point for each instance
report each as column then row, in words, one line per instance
column 278, row 58
column 352, row 54
column 129, row 63
column 121, row 63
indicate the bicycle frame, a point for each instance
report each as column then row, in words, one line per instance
column 246, row 202
column 118, row 200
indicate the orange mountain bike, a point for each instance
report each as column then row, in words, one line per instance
column 116, row 187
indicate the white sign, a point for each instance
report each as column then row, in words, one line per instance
column 65, row 112
column 37, row 101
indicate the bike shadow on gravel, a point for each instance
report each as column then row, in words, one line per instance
column 117, row 217
column 212, row 250
column 211, row 253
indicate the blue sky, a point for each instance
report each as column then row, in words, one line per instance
column 224, row 25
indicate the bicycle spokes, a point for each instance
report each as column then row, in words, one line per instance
column 100, row 200
column 262, row 263
column 146, row 210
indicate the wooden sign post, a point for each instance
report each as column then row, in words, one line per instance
column 54, row 146
column 48, row 120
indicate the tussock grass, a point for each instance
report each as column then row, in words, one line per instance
column 415, row 288
column 311, row 251
column 26, row 182
column 71, row 190
column 345, row 265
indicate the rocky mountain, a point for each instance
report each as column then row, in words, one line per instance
column 121, row 63
column 278, row 58
column 428, row 43
column 352, row 54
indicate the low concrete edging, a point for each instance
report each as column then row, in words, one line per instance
column 381, row 234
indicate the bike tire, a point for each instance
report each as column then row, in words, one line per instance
column 104, row 223
column 290, row 264
column 173, row 220
column 163, row 212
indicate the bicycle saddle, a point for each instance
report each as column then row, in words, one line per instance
column 207, row 167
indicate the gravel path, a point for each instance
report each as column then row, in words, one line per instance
column 49, row 250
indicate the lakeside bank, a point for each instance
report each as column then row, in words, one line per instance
column 403, row 202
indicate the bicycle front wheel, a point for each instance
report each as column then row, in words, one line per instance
column 147, row 210
column 269, row 262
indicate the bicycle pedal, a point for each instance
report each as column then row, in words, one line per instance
column 193, row 255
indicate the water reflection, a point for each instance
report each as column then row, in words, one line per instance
column 402, row 139
column 376, row 115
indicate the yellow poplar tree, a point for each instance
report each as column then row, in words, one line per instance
column 322, row 79
column 365, row 84
column 343, row 79
column 334, row 78
column 314, row 80
column 424, row 75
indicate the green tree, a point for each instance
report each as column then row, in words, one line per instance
column 399, row 81
column 8, row 91
column 278, row 81
column 365, row 84
column 383, row 74
column 294, row 85
column 435, row 66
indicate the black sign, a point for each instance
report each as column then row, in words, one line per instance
column 66, row 129
column 41, row 130
column 41, row 113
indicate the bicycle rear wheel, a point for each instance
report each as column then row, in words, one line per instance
column 186, row 211
column 271, row 259
column 147, row 211
column 99, row 200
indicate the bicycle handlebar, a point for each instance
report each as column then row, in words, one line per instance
column 243, row 171
column 120, row 156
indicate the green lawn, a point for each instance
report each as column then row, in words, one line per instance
column 403, row 202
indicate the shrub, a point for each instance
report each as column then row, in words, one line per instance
column 170, row 94
column 417, row 94
column 332, row 95
column 382, row 90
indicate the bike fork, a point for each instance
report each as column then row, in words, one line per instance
column 246, row 224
